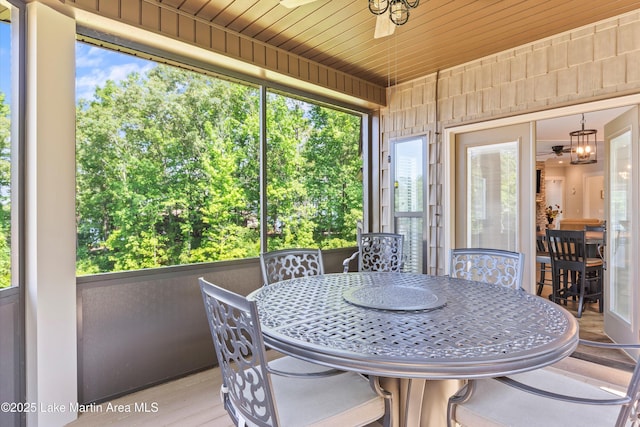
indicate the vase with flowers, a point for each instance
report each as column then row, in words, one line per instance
column 551, row 212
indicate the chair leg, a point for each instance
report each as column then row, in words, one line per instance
column 555, row 287
column 601, row 299
column 564, row 289
column 582, row 284
column 543, row 274
column 600, row 287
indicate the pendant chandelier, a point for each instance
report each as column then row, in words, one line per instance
column 398, row 9
column 583, row 146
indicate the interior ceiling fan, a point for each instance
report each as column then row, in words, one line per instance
column 557, row 150
column 384, row 26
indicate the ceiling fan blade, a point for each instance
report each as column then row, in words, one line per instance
column 384, row 26
column 294, row 3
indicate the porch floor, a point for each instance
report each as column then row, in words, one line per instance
column 194, row 400
column 186, row 402
column 190, row 401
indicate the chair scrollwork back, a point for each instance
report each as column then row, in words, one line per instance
column 290, row 263
column 378, row 252
column 488, row 265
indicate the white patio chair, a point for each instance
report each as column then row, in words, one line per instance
column 546, row 398
column 286, row 391
column 290, row 263
column 488, row 265
column 378, row 252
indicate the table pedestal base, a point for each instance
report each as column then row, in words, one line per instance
column 420, row 403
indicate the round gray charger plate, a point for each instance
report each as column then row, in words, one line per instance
column 394, row 298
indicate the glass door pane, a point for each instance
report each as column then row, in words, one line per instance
column 621, row 290
column 620, row 177
column 492, row 183
column 408, row 197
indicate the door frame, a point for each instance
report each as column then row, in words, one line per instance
column 449, row 179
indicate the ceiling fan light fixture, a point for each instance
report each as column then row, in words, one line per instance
column 399, row 12
column 378, row 7
column 584, row 150
column 398, row 9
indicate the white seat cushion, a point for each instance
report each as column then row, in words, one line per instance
column 495, row 404
column 345, row 399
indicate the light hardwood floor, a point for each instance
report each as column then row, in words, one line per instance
column 195, row 401
column 592, row 328
column 187, row 402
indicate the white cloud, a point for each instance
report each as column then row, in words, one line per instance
column 94, row 66
column 120, row 72
column 89, row 56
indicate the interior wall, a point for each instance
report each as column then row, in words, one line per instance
column 591, row 63
column 575, row 190
column 575, row 187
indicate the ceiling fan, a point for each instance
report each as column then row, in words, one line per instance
column 384, row 26
column 557, row 150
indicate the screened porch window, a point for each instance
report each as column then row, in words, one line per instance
column 168, row 167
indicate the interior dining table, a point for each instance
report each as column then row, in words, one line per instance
column 421, row 335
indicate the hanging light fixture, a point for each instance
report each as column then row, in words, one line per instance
column 398, row 9
column 583, row 146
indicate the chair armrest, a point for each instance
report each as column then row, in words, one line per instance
column 562, row 397
column 320, row 374
column 606, row 344
column 345, row 263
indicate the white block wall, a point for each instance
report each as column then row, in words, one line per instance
column 591, row 63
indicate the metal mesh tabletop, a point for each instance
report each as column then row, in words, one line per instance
column 482, row 330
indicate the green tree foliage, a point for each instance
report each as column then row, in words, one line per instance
column 314, row 193
column 168, row 172
column 5, row 193
column 332, row 156
column 158, row 172
column 288, row 216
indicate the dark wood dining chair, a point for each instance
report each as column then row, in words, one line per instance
column 543, row 261
column 290, row 263
column 496, row 266
column 600, row 246
column 286, row 391
column 575, row 275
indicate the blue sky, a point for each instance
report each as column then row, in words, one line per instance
column 94, row 65
column 5, row 60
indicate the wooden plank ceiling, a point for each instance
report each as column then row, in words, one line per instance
column 440, row 33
